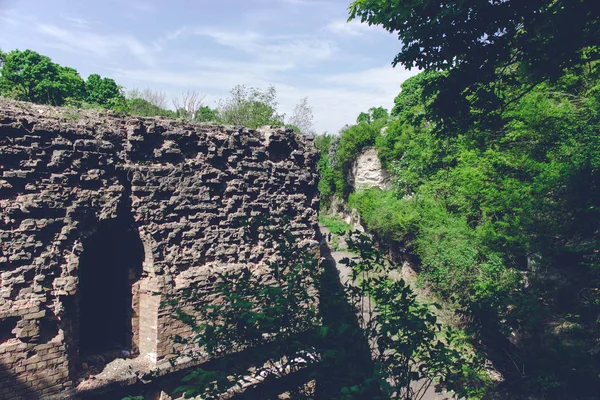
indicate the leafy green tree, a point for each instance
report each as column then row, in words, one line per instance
column 411, row 101
column 30, row 76
column 410, row 347
column 363, row 117
column 250, row 107
column 496, row 215
column 205, row 114
column 545, row 35
column 374, row 114
column 495, row 157
column 480, row 44
column 326, row 182
column 143, row 108
column 103, row 91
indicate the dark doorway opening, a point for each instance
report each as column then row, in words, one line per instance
column 109, row 266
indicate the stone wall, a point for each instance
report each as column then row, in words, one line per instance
column 190, row 194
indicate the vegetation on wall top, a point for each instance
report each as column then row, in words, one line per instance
column 29, row 76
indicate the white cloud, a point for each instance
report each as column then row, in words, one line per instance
column 142, row 6
column 256, row 68
column 352, row 28
column 295, row 49
column 205, row 80
column 305, row 2
column 336, row 99
column 378, row 79
column 341, row 97
column 214, row 58
column 100, row 45
column 7, row 20
column 78, row 22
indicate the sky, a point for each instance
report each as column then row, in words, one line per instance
column 305, row 48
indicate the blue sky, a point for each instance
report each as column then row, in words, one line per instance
column 305, row 48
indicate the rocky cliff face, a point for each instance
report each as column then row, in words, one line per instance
column 367, row 172
column 173, row 202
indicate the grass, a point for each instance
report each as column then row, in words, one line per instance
column 335, row 224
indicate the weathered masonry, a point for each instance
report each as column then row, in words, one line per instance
column 99, row 213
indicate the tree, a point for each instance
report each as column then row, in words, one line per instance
column 479, row 44
column 153, row 97
column 205, row 114
column 148, row 103
column 70, row 85
column 404, row 335
column 546, row 35
column 374, row 114
column 250, row 107
column 103, row 91
column 302, row 117
column 326, row 186
column 30, row 76
column 191, row 101
column 478, row 206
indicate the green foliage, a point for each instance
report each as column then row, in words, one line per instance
column 411, row 349
column 143, row 108
column 483, row 45
column 250, row 107
column 352, row 141
column 483, row 34
column 335, row 224
column 268, row 316
column 265, row 312
column 326, row 182
column 384, row 213
column 183, row 114
column 410, row 104
column 493, row 211
column 339, row 152
column 374, row 114
column 205, row 114
column 104, row 92
column 29, row 76
column 495, row 154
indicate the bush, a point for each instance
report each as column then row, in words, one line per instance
column 335, row 224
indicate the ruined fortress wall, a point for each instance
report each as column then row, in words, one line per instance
column 189, row 194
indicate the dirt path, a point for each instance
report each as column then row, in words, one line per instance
column 345, row 277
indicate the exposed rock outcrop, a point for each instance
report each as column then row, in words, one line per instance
column 367, row 171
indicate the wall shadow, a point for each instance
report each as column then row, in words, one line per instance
column 346, row 356
column 13, row 387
